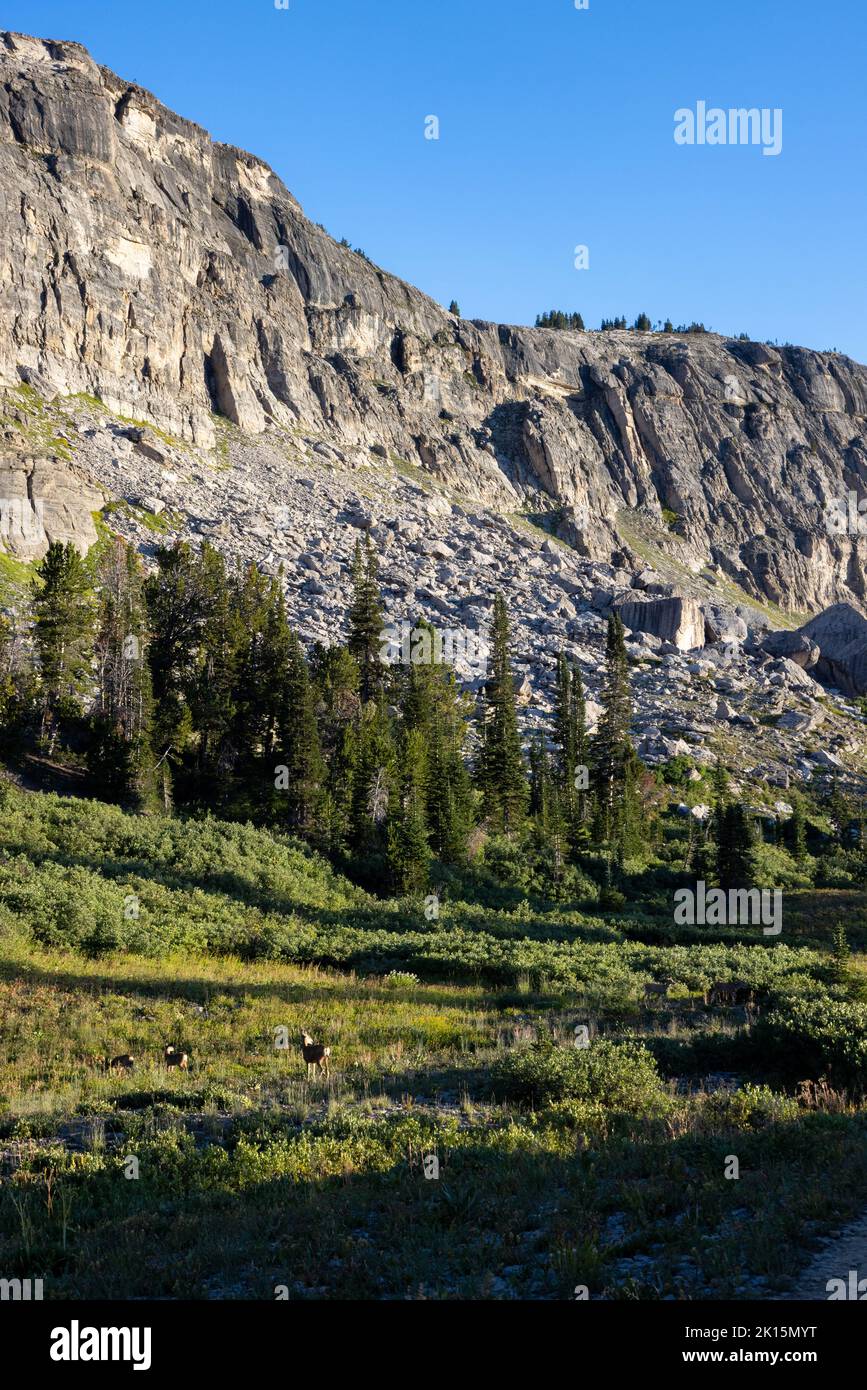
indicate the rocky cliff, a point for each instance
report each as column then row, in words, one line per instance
column 178, row 281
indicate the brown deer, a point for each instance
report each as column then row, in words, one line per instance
column 173, row 1058
column 656, row 990
column 730, row 992
column 314, row 1054
column 125, row 1062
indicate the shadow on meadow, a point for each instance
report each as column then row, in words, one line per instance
column 345, row 1211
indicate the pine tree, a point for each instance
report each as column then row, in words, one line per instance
column 842, row 953
column 336, row 680
column 565, row 734
column 259, row 667
column 65, row 613
column 407, row 830
column 735, row 848
column 300, row 750
column 571, row 749
column 796, row 830
column 374, row 778
column 719, row 782
column 449, row 790
column 501, row 774
column 121, row 753
column 365, row 619
column 615, row 771
column 178, row 603
column 211, row 695
column 582, row 755
column 431, row 704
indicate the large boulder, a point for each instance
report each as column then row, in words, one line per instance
column 724, row 625
column 43, row 500
column 677, row 620
column 794, row 646
column 841, row 636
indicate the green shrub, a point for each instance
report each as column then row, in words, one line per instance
column 623, row 1076
column 804, row 1039
column 752, row 1107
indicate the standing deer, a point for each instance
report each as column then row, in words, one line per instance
column 173, row 1058
column 654, row 990
column 125, row 1062
column 314, row 1054
column 730, row 992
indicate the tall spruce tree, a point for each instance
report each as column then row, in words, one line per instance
column 121, row 753
column 178, row 604
column 571, row 749
column 336, row 680
column 615, row 768
column 565, row 735
column 735, row 847
column 407, row 829
column 374, row 778
column 501, row 773
column 432, row 705
column 213, row 690
column 300, row 750
column 365, row 619
column 65, row 613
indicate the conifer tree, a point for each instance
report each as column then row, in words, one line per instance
column 178, row 604
column 336, row 680
column 582, row 754
column 365, row 619
column 407, row 831
column 373, row 783
column 501, row 773
column 615, row 764
column 565, row 734
column 212, row 692
column 259, row 669
column 121, row 753
column 571, row 750
column 796, row 830
column 735, row 847
column 65, row 613
column 431, row 704
column 300, row 750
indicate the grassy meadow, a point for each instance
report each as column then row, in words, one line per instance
column 561, row 1167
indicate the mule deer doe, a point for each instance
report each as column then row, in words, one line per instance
column 314, row 1054
column 173, row 1058
column 125, row 1062
column 656, row 990
column 730, row 992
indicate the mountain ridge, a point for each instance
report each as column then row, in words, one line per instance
column 177, row 280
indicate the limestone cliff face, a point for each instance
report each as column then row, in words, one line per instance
column 174, row 278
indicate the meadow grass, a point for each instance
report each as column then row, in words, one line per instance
column 558, row 1167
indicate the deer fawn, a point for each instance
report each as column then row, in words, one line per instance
column 173, row 1058
column 314, row 1054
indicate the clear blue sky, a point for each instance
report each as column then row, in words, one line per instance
column 556, row 129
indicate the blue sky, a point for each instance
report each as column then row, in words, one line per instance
column 556, row 129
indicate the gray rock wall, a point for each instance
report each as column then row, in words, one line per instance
column 174, row 277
